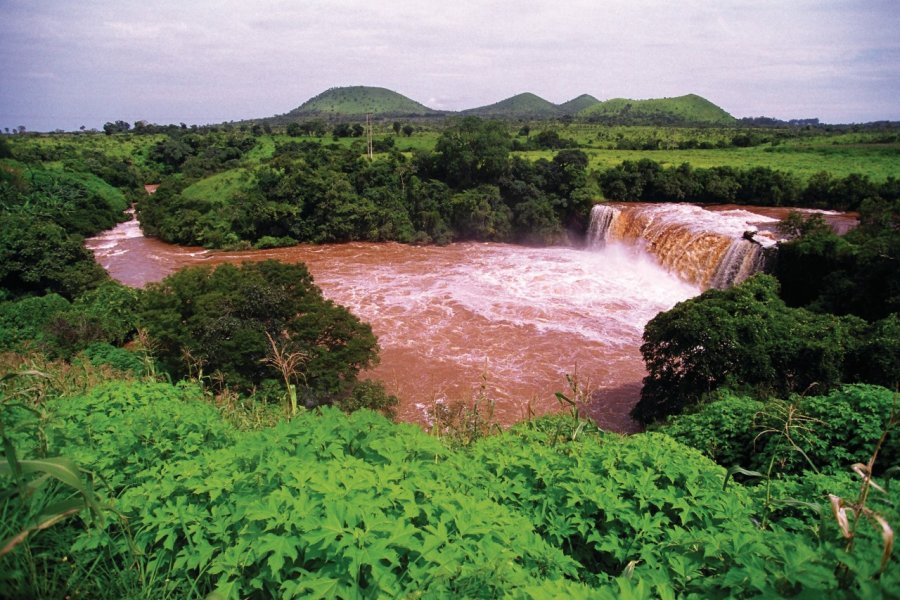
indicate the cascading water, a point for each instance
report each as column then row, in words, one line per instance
column 709, row 249
column 602, row 216
column 742, row 259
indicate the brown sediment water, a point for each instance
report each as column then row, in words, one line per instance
column 453, row 322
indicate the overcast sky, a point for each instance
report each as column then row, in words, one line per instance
column 84, row 62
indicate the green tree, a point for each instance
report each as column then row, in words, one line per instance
column 110, row 128
column 480, row 214
column 40, row 257
column 833, row 431
column 220, row 318
column 472, row 152
column 171, row 153
column 342, row 130
column 744, row 336
column 293, row 129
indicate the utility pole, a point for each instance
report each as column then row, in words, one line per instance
column 369, row 146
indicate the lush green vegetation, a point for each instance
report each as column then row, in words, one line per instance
column 116, row 484
column 648, row 181
column 328, row 506
column 44, row 214
column 855, row 274
column 824, row 433
column 467, row 189
column 228, row 320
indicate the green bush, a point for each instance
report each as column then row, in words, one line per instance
column 221, row 317
column 129, row 431
column 120, row 359
column 744, row 336
column 121, row 434
column 23, row 323
column 829, row 433
column 369, row 394
column 331, row 505
column 724, row 429
column 53, row 325
column 40, row 257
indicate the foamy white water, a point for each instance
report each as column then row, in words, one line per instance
column 453, row 320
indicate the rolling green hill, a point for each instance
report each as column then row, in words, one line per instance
column 356, row 101
column 689, row 109
column 359, row 100
column 526, row 105
column 576, row 105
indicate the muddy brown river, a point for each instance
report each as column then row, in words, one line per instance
column 470, row 319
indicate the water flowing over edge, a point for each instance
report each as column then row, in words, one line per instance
column 705, row 248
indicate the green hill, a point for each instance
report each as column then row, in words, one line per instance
column 689, row 109
column 526, row 105
column 359, row 100
column 576, row 105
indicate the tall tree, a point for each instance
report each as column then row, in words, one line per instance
column 472, row 152
column 221, row 317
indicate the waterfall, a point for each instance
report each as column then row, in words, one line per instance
column 602, row 216
column 742, row 259
column 706, row 248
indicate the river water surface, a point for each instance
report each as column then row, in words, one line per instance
column 455, row 319
column 508, row 322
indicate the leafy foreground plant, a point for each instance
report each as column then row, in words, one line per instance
column 335, row 506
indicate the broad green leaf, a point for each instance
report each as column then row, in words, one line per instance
column 61, row 468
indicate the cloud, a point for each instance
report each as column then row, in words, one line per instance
column 214, row 61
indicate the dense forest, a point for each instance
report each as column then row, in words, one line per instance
column 310, row 192
column 209, row 436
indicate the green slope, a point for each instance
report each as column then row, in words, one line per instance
column 576, row 105
column 689, row 109
column 359, row 100
column 526, row 105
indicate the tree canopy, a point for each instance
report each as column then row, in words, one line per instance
column 218, row 320
column 747, row 337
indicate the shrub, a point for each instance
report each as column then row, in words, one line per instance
column 120, row 359
column 207, row 320
column 356, row 506
column 830, row 432
column 369, row 394
column 744, row 336
column 722, row 429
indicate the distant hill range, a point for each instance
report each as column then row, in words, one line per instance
column 576, row 105
column 360, row 100
column 682, row 109
column 346, row 103
column 521, row 106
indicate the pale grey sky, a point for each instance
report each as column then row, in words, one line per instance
column 72, row 63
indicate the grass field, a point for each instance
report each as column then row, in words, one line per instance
column 803, row 152
column 222, row 186
column 877, row 163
